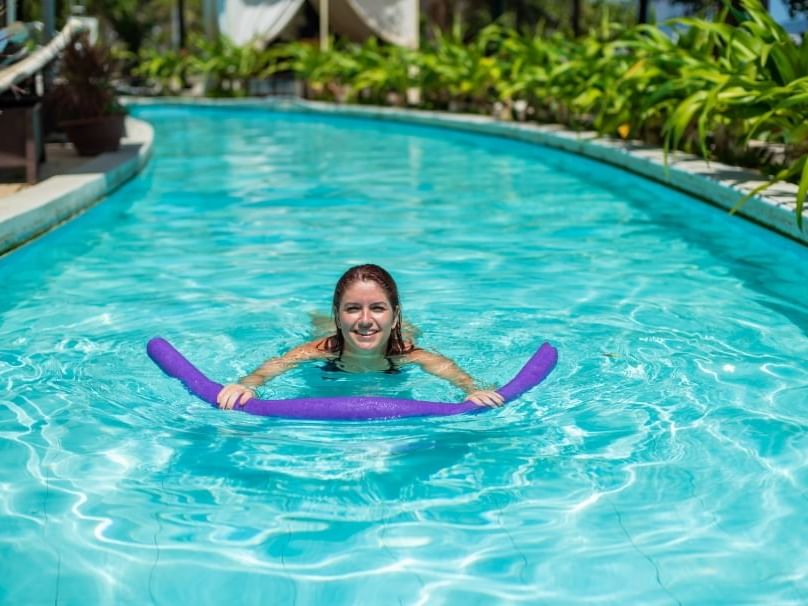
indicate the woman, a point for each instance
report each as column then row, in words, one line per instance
column 368, row 338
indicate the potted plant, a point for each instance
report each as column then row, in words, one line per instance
column 84, row 100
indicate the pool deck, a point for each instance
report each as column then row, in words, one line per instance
column 70, row 185
column 76, row 184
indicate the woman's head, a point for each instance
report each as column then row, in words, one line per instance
column 367, row 313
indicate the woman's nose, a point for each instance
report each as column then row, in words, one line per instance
column 365, row 318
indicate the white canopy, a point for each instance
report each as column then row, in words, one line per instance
column 245, row 21
column 395, row 21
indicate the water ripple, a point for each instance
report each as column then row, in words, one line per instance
column 663, row 462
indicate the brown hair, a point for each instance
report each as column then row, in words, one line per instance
column 362, row 273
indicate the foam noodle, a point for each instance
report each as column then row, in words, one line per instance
column 355, row 408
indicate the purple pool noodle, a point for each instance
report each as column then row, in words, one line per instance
column 354, row 408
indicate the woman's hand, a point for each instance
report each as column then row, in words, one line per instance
column 486, row 397
column 233, row 394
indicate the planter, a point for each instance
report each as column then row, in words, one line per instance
column 93, row 136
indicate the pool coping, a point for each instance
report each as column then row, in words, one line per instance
column 719, row 184
column 36, row 210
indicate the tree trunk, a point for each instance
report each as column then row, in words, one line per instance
column 576, row 17
column 180, row 24
column 642, row 16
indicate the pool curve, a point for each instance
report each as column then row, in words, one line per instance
column 33, row 212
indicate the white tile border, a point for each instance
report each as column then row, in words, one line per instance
column 713, row 182
column 42, row 207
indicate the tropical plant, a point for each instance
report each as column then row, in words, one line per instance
column 754, row 85
column 83, row 100
column 227, row 66
column 328, row 74
column 166, row 69
column 84, row 88
column 385, row 73
column 463, row 73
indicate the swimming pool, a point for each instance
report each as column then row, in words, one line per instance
column 663, row 461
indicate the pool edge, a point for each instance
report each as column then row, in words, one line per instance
column 34, row 211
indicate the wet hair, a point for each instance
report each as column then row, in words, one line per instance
column 363, row 273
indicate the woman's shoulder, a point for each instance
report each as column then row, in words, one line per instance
column 425, row 358
column 312, row 350
column 413, row 354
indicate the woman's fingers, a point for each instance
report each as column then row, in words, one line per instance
column 495, row 397
column 486, row 397
column 231, row 399
column 221, row 397
column 224, row 397
column 233, row 394
column 245, row 396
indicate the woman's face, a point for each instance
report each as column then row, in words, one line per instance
column 366, row 318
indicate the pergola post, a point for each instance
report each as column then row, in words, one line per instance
column 323, row 25
column 416, row 43
column 210, row 19
column 11, row 11
column 48, row 19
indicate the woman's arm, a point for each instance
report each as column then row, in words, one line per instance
column 239, row 393
column 443, row 367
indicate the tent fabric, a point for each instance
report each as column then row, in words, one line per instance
column 395, row 21
column 245, row 21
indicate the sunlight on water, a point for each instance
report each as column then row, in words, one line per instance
column 663, row 462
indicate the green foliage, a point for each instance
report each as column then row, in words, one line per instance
column 165, row 69
column 461, row 72
column 742, row 82
column 327, row 74
column 227, row 66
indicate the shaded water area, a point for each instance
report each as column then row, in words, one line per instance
column 663, row 462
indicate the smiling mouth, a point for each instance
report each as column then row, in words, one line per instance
column 365, row 334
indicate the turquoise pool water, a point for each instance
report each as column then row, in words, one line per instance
column 663, row 462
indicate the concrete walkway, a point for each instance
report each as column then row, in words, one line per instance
column 71, row 185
